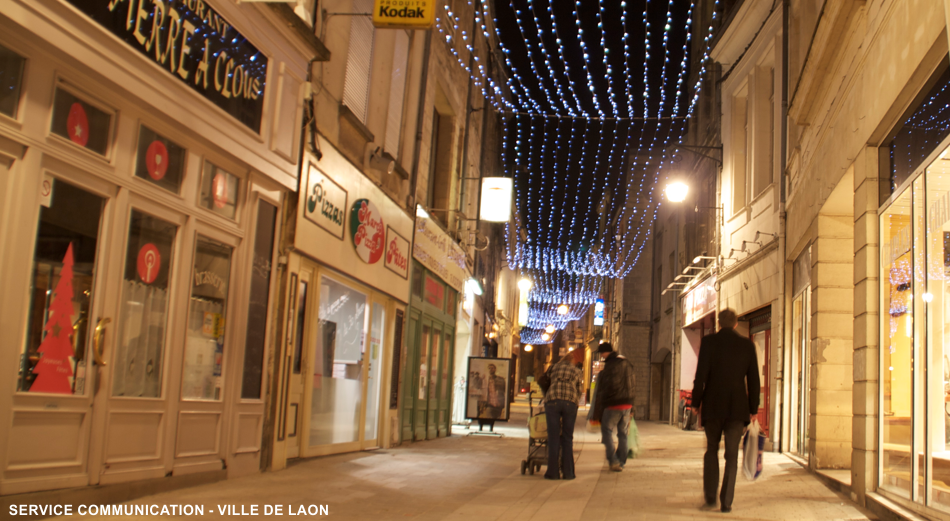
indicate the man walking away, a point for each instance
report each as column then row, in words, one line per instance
column 613, row 403
column 560, row 409
column 727, row 389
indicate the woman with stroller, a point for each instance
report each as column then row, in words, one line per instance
column 560, row 407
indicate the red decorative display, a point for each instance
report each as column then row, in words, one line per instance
column 149, row 262
column 77, row 124
column 54, row 369
column 156, row 160
column 219, row 190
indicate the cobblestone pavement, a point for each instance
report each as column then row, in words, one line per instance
column 478, row 478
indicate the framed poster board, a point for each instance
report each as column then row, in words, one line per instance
column 486, row 388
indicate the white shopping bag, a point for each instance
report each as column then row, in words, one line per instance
column 753, row 445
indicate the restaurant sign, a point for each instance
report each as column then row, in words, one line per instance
column 193, row 43
column 439, row 253
column 699, row 301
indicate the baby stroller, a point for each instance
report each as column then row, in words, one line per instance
column 537, row 440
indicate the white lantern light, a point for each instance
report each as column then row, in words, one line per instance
column 496, row 199
column 549, row 329
column 676, row 192
column 525, row 284
column 528, row 347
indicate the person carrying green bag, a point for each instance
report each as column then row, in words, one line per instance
column 613, row 403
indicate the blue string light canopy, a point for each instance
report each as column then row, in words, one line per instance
column 596, row 99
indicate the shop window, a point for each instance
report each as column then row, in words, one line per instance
column 160, row 160
column 338, row 365
column 64, row 261
column 81, row 122
column 926, row 124
column 219, row 190
column 898, row 349
column 257, row 303
column 359, row 60
column 140, row 339
column 937, row 302
column 203, row 377
column 11, row 79
column 418, row 272
column 435, row 292
column 451, row 300
column 397, row 360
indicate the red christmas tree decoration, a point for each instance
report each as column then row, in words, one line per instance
column 54, row 368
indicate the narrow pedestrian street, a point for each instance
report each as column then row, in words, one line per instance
column 479, row 478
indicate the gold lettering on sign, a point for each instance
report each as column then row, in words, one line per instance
column 174, row 28
column 201, row 73
column 185, row 48
column 223, row 55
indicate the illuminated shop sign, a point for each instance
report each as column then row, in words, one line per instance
column 406, row 14
column 193, row 43
column 599, row 312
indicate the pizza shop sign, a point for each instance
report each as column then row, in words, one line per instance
column 193, row 43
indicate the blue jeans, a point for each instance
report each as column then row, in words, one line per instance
column 615, row 422
column 561, row 416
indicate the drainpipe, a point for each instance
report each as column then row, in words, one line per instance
column 777, row 434
column 673, row 371
column 420, row 118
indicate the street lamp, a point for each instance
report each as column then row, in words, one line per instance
column 676, row 192
column 525, row 284
column 545, row 337
column 528, row 347
column 549, row 329
column 562, row 309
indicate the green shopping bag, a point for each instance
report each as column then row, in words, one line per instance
column 633, row 439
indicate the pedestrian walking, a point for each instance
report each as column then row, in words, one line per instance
column 727, row 389
column 613, row 403
column 560, row 409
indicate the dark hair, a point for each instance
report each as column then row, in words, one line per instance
column 728, row 318
column 606, row 347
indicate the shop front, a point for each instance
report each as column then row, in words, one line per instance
column 140, row 184
column 915, row 319
column 347, row 283
column 699, row 320
column 439, row 273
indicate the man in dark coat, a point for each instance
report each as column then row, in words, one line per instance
column 727, row 389
column 613, row 402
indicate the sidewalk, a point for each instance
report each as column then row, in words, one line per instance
column 478, row 478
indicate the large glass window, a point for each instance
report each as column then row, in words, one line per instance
column 202, row 377
column 144, row 309
column 219, row 190
column 937, row 301
column 259, row 297
column 897, row 339
column 338, row 365
column 64, row 260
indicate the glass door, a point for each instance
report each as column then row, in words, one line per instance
column 64, row 345
column 445, row 384
column 373, row 362
column 132, row 388
column 436, row 357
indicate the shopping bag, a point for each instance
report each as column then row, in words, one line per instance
column 538, row 426
column 633, row 439
column 753, row 445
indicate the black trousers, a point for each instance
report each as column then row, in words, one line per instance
column 714, row 431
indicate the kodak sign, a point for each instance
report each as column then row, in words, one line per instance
column 407, row 14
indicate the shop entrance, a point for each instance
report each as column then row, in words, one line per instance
column 799, row 369
column 99, row 386
column 426, row 406
column 334, row 388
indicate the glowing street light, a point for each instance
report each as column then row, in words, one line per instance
column 525, row 284
column 545, row 337
column 549, row 329
column 562, row 309
column 528, row 347
column 676, row 192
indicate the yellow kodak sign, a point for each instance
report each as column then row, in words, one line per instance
column 406, row 14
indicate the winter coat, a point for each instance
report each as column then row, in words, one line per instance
column 727, row 377
column 615, row 384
